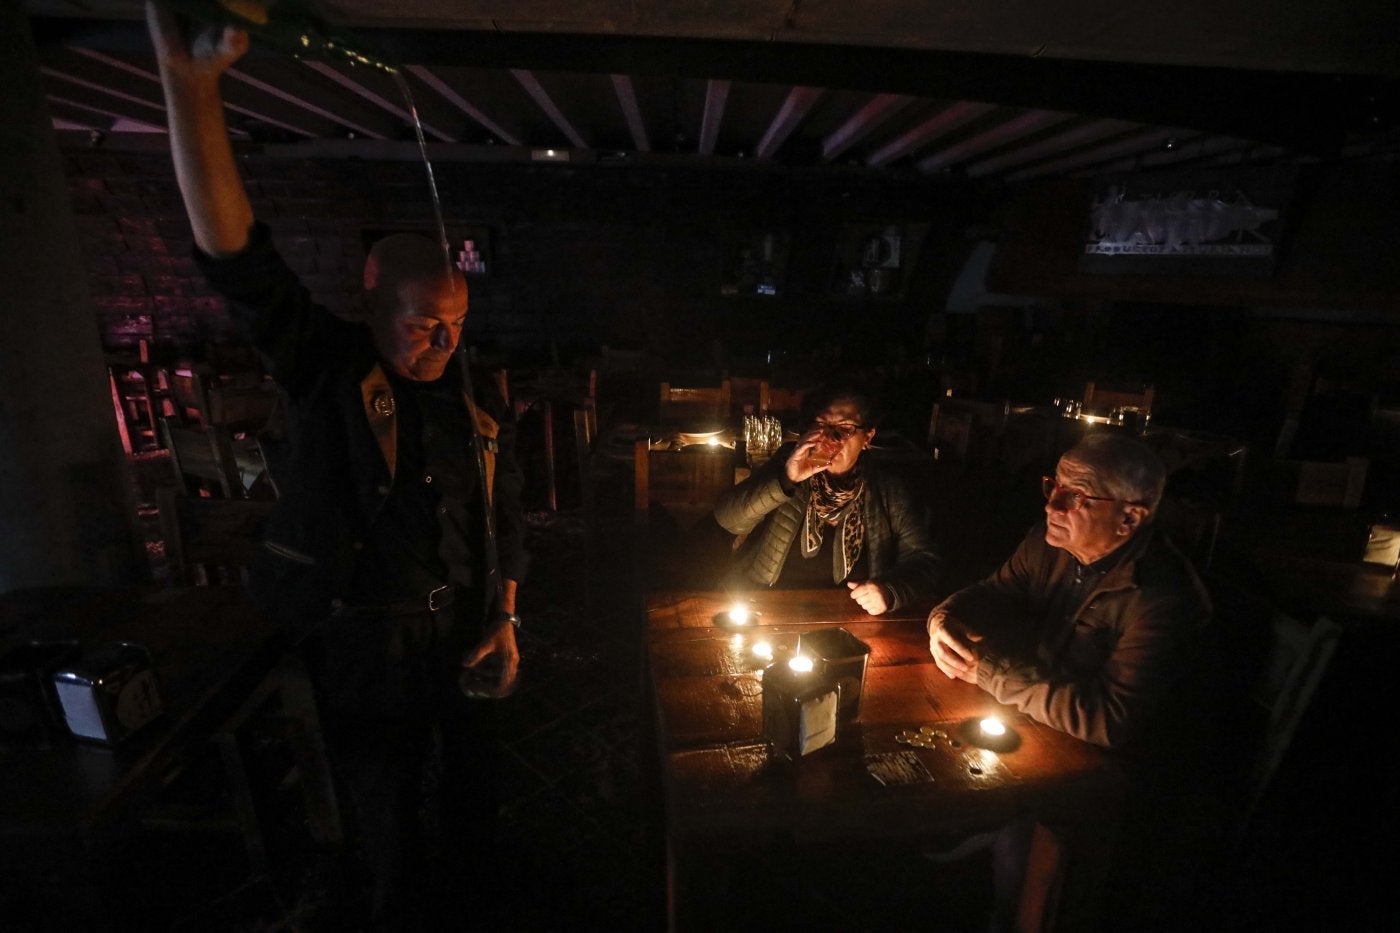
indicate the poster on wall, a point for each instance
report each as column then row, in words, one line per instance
column 468, row 245
column 1198, row 222
column 874, row 261
column 755, row 263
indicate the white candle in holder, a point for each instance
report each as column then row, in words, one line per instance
column 763, row 650
column 992, row 726
column 739, row 614
column 800, row 662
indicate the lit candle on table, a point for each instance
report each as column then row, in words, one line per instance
column 800, row 663
column 992, row 727
column 739, row 614
column 763, row 649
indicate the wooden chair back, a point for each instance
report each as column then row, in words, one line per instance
column 684, row 483
column 1276, row 662
column 707, row 404
column 1193, row 527
column 783, row 403
column 1315, row 483
column 240, row 361
column 746, row 392
column 210, row 541
column 1296, row 662
column 542, row 391
column 202, row 459
column 245, row 409
column 961, row 429
column 1099, row 397
column 189, row 394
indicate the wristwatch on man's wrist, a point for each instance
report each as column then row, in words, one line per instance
column 510, row 617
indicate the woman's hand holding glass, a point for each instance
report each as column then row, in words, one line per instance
column 811, row 456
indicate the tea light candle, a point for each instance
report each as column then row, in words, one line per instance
column 763, row 650
column 992, row 727
column 800, row 663
column 713, row 442
column 739, row 614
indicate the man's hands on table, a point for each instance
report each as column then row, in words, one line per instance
column 953, row 647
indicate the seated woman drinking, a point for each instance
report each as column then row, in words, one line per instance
column 820, row 513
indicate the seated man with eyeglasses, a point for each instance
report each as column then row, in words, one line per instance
column 819, row 513
column 1096, row 626
column 1091, row 623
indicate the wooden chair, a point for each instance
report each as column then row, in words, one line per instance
column 677, row 542
column 1296, row 662
column 1336, row 484
column 783, row 403
column 245, row 410
column 545, row 390
column 1193, row 527
column 189, row 394
column 140, row 396
column 234, row 362
column 685, row 483
column 701, row 404
column 203, row 459
column 1276, row 664
column 961, row 430
column 208, row 540
column 746, row 392
column 1097, row 397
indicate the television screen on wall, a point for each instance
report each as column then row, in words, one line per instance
column 1227, row 221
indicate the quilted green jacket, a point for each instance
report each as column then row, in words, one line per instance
column 897, row 541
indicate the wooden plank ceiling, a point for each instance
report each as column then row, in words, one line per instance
column 1006, row 92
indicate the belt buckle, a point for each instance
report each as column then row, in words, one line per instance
column 433, row 605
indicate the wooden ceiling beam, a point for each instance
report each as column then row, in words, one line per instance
column 449, row 94
column 102, row 111
column 1054, row 145
column 716, row 96
column 796, row 106
column 1023, row 125
column 355, row 87
column 940, row 124
column 1314, row 112
column 153, row 77
column 631, row 113
column 879, row 109
column 1137, row 143
column 546, row 103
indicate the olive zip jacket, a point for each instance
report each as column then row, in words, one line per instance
column 768, row 518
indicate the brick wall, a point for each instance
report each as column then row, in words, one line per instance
column 579, row 256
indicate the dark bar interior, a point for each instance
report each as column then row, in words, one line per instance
column 1176, row 224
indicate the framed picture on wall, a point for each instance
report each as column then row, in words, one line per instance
column 469, row 245
column 875, row 260
column 1208, row 221
column 754, row 263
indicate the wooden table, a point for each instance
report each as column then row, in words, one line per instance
column 211, row 650
column 732, row 801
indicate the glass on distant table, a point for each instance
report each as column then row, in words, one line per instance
column 763, row 434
